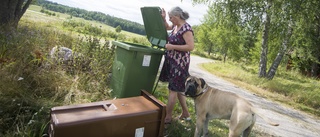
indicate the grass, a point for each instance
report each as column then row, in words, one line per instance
column 33, row 14
column 288, row 87
column 31, row 83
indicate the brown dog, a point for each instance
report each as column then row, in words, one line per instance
column 212, row 103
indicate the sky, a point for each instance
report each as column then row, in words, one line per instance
column 130, row 9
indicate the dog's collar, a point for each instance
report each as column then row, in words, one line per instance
column 203, row 91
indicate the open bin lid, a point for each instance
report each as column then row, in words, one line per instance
column 154, row 26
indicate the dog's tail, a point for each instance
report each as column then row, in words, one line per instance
column 263, row 117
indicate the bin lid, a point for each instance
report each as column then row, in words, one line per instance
column 154, row 26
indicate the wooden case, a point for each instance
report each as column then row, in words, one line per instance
column 141, row 116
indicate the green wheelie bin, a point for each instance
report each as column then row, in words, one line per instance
column 136, row 66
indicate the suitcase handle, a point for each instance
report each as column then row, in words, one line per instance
column 109, row 107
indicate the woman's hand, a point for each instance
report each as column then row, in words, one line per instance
column 163, row 14
column 168, row 46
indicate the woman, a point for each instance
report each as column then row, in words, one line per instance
column 175, row 69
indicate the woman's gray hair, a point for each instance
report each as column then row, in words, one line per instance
column 177, row 11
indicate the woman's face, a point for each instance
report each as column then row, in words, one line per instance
column 173, row 19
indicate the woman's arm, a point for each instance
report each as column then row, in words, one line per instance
column 189, row 46
column 163, row 14
column 168, row 27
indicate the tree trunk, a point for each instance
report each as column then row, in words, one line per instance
column 315, row 69
column 315, row 64
column 225, row 55
column 283, row 49
column 11, row 12
column 210, row 49
column 264, row 46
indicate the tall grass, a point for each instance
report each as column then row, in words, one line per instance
column 31, row 83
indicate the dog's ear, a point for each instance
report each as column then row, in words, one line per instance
column 203, row 83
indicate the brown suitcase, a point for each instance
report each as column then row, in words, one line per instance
column 141, row 116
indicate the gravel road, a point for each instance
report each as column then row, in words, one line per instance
column 293, row 123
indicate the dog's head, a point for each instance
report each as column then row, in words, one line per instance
column 194, row 86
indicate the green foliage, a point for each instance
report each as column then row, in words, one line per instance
column 89, row 29
column 205, row 43
column 233, row 29
column 219, row 35
column 48, row 12
column 118, row 29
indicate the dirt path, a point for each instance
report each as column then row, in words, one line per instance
column 293, row 123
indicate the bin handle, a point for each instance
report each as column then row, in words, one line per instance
column 158, row 42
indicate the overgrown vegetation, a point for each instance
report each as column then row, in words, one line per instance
column 31, row 83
